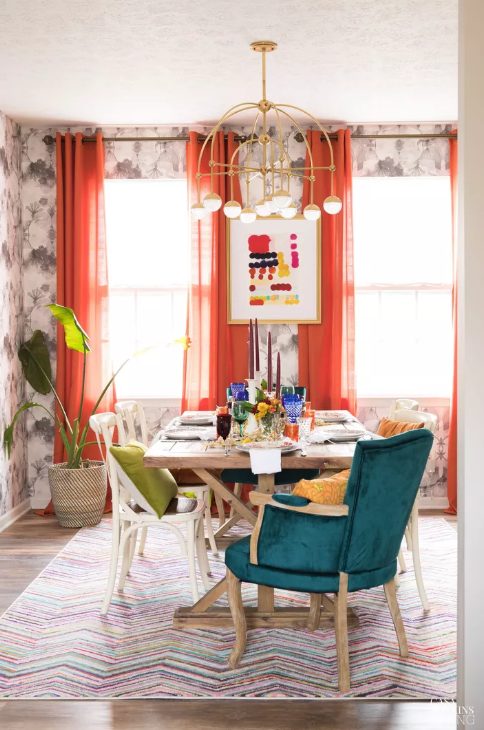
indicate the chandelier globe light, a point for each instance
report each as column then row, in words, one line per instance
column 232, row 209
column 261, row 162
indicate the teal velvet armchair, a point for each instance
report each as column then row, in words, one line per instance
column 301, row 546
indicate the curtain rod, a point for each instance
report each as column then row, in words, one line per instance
column 49, row 140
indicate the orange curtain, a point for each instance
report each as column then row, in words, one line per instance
column 452, row 441
column 327, row 350
column 82, row 277
column 218, row 351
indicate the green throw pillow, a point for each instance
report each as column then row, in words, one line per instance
column 157, row 486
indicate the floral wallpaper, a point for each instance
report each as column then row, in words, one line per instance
column 13, row 484
column 155, row 159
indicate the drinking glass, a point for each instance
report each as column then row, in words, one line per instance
column 293, row 406
column 287, row 389
column 224, row 423
column 236, row 388
column 240, row 415
column 300, row 390
column 304, row 424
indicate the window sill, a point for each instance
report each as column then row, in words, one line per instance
column 155, row 402
column 386, row 400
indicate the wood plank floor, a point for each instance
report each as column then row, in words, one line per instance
column 28, row 546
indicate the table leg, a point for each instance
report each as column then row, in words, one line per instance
column 266, row 483
column 222, row 491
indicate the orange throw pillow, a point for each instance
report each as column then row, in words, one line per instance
column 388, row 428
column 329, row 490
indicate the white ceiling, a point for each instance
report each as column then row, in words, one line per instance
column 156, row 62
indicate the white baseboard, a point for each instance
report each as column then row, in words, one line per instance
column 13, row 514
column 439, row 503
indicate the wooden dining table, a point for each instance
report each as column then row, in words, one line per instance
column 207, row 461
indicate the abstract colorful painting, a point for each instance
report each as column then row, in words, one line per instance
column 274, row 270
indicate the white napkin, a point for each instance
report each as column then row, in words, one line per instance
column 265, row 461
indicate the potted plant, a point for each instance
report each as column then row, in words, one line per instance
column 78, row 485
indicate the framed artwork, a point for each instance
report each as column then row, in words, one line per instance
column 274, row 270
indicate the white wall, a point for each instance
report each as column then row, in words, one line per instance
column 471, row 360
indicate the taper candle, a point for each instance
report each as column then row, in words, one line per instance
column 278, row 375
column 269, row 362
column 251, row 350
column 256, row 337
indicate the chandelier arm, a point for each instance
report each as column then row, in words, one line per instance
column 221, row 121
column 242, row 107
column 282, row 155
column 323, row 132
column 250, row 142
column 308, row 148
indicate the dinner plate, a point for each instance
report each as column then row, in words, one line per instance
column 331, row 416
column 181, row 434
column 336, row 436
column 196, row 421
column 248, row 447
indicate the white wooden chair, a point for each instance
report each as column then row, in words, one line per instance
column 131, row 512
column 409, row 415
column 133, row 425
column 408, row 404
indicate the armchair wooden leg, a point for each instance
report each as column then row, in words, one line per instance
column 391, row 597
column 314, row 611
column 238, row 616
column 341, row 629
column 417, row 566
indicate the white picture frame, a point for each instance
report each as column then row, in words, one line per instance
column 288, row 288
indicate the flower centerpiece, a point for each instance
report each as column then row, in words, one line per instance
column 268, row 411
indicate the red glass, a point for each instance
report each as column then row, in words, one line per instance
column 224, row 424
column 309, row 413
column 291, row 430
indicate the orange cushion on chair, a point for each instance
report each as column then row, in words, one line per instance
column 387, row 427
column 328, row 490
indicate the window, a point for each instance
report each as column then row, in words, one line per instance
column 148, row 259
column 403, row 279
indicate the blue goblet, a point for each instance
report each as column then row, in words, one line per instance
column 293, row 406
column 236, row 389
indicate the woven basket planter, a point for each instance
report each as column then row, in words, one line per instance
column 79, row 495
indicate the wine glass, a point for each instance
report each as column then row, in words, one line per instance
column 224, row 423
column 304, row 424
column 240, row 415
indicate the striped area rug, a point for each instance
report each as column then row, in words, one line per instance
column 55, row 644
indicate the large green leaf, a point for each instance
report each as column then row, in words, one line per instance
column 76, row 338
column 34, row 356
column 8, row 433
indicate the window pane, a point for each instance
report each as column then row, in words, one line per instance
column 402, row 228
column 147, row 231
column 403, row 343
column 403, row 275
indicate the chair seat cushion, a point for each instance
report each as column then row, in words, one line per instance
column 286, row 476
column 157, row 486
column 237, row 560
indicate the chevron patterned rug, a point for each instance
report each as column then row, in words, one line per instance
column 55, row 644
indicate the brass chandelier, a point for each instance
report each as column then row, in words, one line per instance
column 269, row 170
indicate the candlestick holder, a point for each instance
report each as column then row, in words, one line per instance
column 252, row 388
